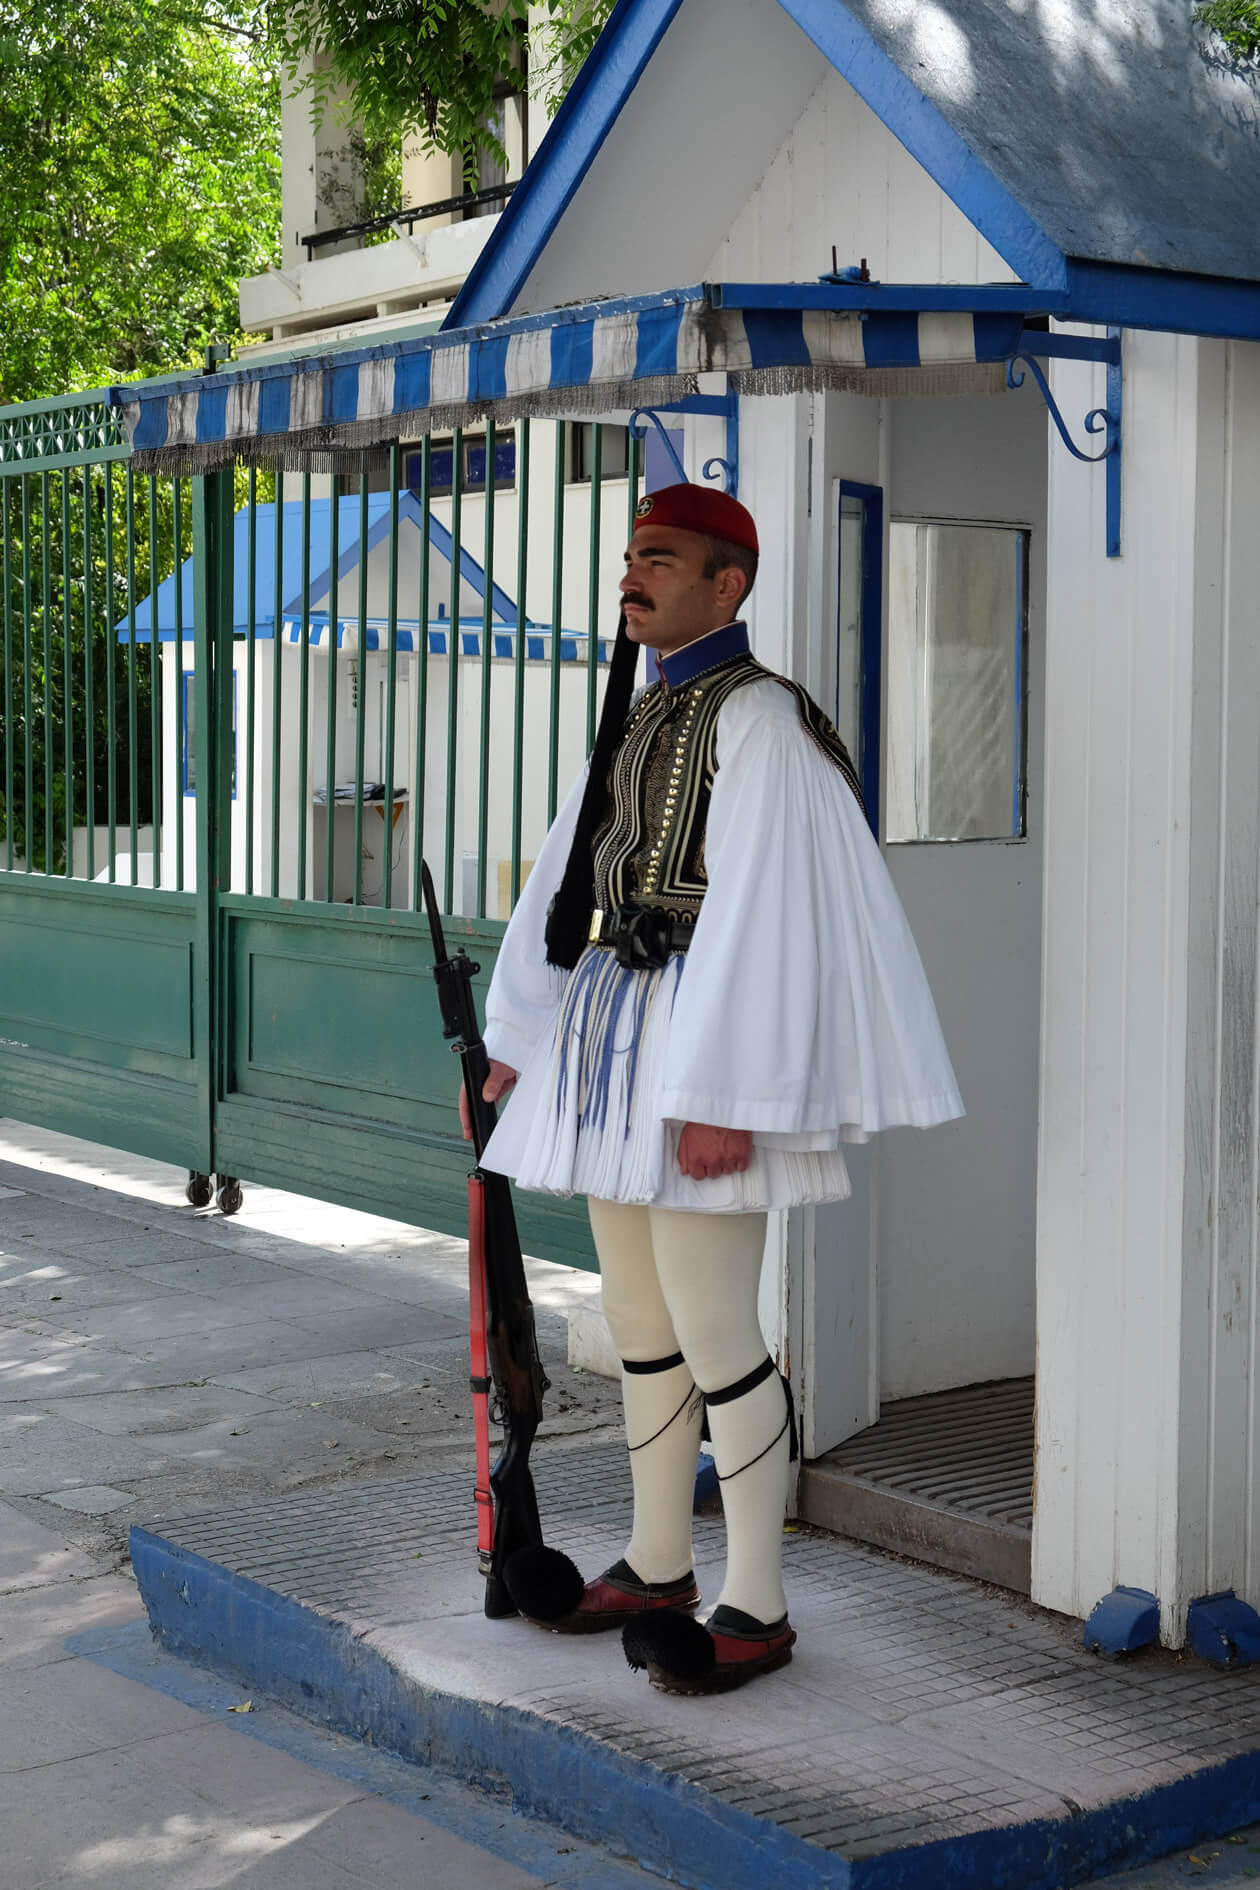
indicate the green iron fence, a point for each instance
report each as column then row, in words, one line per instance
column 236, row 712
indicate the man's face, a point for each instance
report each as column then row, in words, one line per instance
column 667, row 599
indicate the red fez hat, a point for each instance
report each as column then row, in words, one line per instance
column 701, row 509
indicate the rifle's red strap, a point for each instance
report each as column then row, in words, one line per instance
column 479, row 1363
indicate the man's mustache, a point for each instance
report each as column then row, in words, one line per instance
column 643, row 603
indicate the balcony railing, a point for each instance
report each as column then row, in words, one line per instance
column 368, row 226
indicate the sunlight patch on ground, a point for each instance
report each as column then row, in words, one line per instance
column 185, row 1837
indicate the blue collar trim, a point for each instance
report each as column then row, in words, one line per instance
column 683, row 666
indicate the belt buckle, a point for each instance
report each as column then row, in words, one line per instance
column 595, row 930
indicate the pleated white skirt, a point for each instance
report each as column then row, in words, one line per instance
column 585, row 1118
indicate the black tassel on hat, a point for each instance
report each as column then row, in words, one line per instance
column 568, row 921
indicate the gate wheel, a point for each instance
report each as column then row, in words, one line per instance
column 230, row 1195
column 199, row 1191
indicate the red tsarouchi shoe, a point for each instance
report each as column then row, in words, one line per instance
column 548, row 1590
column 686, row 1656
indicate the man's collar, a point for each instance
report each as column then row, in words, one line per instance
column 679, row 667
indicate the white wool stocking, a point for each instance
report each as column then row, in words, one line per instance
column 751, row 1443
column 663, row 1409
column 664, row 1413
column 680, row 1282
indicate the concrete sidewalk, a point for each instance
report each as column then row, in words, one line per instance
column 159, row 1359
column 121, row 1769
column 278, row 1404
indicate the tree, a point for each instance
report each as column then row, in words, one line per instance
column 139, row 169
column 1236, row 24
column 432, row 70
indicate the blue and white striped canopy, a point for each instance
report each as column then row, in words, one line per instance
column 324, row 410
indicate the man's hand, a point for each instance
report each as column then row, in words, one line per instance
column 704, row 1151
column 498, row 1083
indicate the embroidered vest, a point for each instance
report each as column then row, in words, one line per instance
column 649, row 848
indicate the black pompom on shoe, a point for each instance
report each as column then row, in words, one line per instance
column 683, row 1656
column 675, row 1644
column 545, row 1585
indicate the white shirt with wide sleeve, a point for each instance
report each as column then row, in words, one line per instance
column 802, row 1012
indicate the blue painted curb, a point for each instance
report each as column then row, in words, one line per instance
column 314, row 1664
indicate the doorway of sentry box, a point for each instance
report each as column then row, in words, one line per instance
column 930, row 640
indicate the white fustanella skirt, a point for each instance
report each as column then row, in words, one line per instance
column 585, row 1115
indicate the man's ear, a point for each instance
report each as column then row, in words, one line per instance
column 730, row 585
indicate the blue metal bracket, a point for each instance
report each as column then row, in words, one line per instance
column 1040, row 341
column 1123, row 1621
column 1223, row 1630
column 719, row 406
column 640, row 420
column 1105, row 420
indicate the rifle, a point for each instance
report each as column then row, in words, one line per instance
column 501, row 1315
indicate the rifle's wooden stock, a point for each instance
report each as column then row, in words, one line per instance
column 503, row 1343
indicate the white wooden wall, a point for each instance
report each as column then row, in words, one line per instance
column 1220, row 1538
column 841, row 177
column 1147, row 1217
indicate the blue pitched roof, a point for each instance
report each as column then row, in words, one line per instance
column 1116, row 128
column 1105, row 153
column 163, row 600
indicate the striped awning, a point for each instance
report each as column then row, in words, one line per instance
column 322, row 411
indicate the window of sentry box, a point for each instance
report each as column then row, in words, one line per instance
column 957, row 682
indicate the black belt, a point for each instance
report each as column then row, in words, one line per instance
column 643, row 937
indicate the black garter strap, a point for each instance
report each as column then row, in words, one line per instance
column 744, row 1385
column 643, row 1366
column 740, row 1389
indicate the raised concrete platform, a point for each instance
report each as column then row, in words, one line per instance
column 929, row 1732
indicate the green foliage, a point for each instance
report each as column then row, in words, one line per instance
column 139, row 170
column 77, row 553
column 430, row 70
column 426, row 69
column 50, row 645
column 560, row 46
column 1236, row 23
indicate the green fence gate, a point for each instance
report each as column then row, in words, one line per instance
column 237, row 711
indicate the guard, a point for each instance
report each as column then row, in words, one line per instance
column 707, row 988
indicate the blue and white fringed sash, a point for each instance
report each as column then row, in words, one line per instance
column 325, row 411
column 599, row 1037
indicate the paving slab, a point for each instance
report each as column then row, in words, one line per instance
column 186, row 1358
column 160, row 1315
column 207, row 1269
column 305, row 1300
column 928, row 1730
column 32, row 1556
column 31, row 1359
column 61, row 1290
column 40, row 1453
column 35, row 1621
column 258, row 1438
column 382, row 1323
column 89, row 1499
column 35, row 1368
column 162, row 1411
column 120, row 1243
column 350, row 1374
